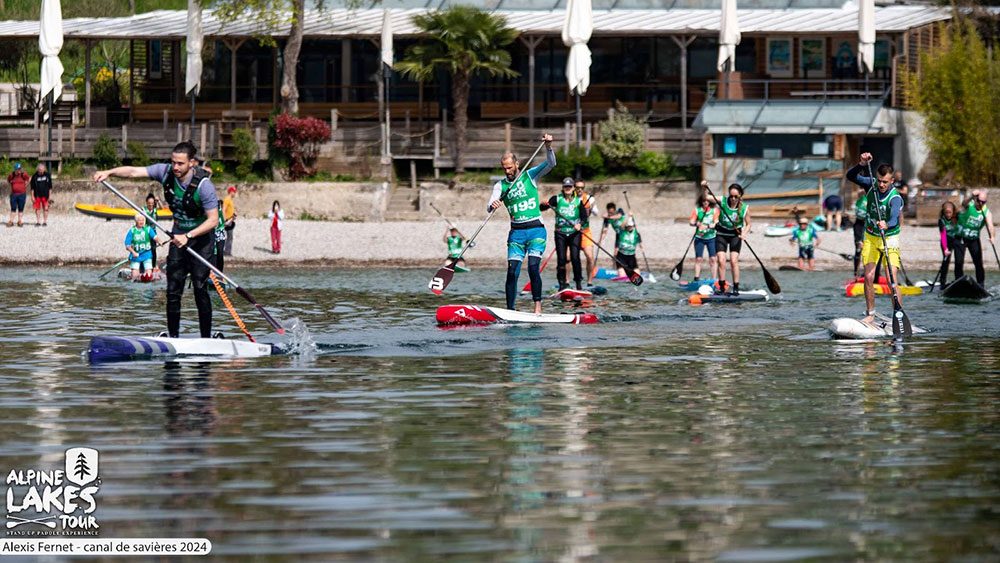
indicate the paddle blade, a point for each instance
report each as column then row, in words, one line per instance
column 263, row 312
column 675, row 274
column 635, row 278
column 442, row 278
column 599, row 290
column 847, row 257
column 772, row 284
column 651, row 277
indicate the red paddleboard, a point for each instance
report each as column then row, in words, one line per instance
column 478, row 315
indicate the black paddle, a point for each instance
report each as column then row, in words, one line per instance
column 900, row 322
column 906, row 277
column 772, row 284
column 113, row 268
column 649, row 272
column 944, row 264
column 633, row 276
column 995, row 255
column 243, row 293
column 843, row 255
column 675, row 274
column 444, row 276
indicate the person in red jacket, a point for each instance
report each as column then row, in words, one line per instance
column 18, row 180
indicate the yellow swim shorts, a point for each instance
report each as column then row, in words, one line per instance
column 871, row 249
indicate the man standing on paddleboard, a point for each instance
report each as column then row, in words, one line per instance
column 884, row 202
column 195, row 206
column 519, row 193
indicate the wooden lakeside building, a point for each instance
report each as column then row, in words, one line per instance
column 788, row 119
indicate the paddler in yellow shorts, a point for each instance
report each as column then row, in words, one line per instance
column 885, row 213
column 587, row 242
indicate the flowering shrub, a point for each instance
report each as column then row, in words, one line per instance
column 300, row 139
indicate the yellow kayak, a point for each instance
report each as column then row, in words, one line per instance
column 109, row 213
column 856, row 289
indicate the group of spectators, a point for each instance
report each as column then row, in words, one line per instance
column 40, row 186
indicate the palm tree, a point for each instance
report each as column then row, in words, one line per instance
column 463, row 41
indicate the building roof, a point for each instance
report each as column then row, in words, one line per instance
column 342, row 23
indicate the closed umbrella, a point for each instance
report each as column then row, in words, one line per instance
column 576, row 31
column 387, row 59
column 195, row 39
column 729, row 36
column 866, row 36
column 50, row 42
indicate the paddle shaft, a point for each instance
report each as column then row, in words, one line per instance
column 896, row 304
column 675, row 274
column 243, row 293
column 944, row 264
column 995, row 255
column 843, row 255
column 113, row 268
column 446, row 220
column 643, row 250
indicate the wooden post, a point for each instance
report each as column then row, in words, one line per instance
column 590, row 131
column 333, row 120
column 165, row 114
column 204, row 134
column 437, row 141
column 212, row 144
column 531, row 43
column 413, row 174
column 86, row 80
column 72, row 139
column 408, row 132
column 180, row 131
column 506, row 137
column 59, row 146
column 131, row 81
column 36, row 119
column 125, row 137
column 566, row 137
column 683, row 44
column 41, row 139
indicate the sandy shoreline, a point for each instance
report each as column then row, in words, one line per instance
column 77, row 239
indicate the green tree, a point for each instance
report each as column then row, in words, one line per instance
column 462, row 41
column 622, row 139
column 957, row 91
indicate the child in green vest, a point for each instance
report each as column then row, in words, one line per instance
column 807, row 238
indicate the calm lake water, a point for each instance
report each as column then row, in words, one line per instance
column 733, row 433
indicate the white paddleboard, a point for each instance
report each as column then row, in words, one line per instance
column 854, row 329
column 121, row 348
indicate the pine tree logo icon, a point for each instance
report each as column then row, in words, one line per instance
column 81, row 465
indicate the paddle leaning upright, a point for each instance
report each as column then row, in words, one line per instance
column 195, row 207
column 882, row 227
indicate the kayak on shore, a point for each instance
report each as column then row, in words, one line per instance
column 108, row 213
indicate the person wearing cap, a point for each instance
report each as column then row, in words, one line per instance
column 229, row 217
column 971, row 221
column 587, row 240
column 519, row 194
column 570, row 216
column 18, row 180
column 628, row 240
column 806, row 237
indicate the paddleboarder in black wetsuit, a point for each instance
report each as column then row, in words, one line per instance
column 195, row 206
column 570, row 215
column 971, row 221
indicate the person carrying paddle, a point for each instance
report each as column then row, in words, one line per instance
column 614, row 219
column 704, row 218
column 733, row 228
column 587, row 237
column 519, row 193
column 628, row 241
column 195, row 206
column 950, row 241
column 806, row 237
column 885, row 202
column 455, row 242
column 139, row 242
column 971, row 221
column 570, row 214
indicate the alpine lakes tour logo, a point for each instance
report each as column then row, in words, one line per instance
column 61, row 501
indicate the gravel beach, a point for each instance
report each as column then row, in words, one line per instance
column 78, row 239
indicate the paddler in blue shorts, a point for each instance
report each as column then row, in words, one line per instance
column 807, row 239
column 885, row 213
column 139, row 242
column 527, row 233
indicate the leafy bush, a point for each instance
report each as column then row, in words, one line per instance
column 299, row 139
column 622, row 139
column 136, row 152
column 654, row 164
column 72, row 168
column 106, row 152
column 245, row 148
column 591, row 165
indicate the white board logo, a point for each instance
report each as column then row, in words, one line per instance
column 55, row 502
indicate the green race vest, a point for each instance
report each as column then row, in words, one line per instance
column 627, row 241
column 140, row 240
column 861, row 207
column 617, row 224
column 732, row 218
column 565, row 211
column 454, row 246
column 185, row 203
column 704, row 218
column 521, row 199
column 951, row 229
column 153, row 213
column 971, row 221
column 804, row 237
column 880, row 208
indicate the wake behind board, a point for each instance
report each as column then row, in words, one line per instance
column 754, row 295
column 854, row 329
column 965, row 290
column 124, row 348
column 464, row 315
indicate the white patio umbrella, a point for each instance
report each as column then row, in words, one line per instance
column 729, row 36
column 576, row 31
column 195, row 40
column 387, row 60
column 866, row 35
column 50, row 42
